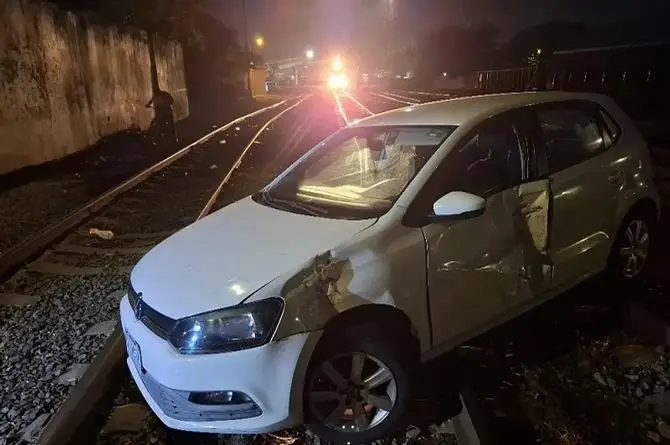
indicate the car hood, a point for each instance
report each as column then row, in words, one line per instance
column 222, row 259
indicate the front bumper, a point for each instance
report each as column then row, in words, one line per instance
column 271, row 376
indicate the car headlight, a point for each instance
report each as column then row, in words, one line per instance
column 238, row 327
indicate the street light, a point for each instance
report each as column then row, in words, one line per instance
column 260, row 42
column 310, row 54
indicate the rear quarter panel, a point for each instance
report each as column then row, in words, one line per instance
column 631, row 155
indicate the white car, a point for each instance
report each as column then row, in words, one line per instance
column 396, row 239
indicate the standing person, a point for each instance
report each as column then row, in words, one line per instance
column 163, row 105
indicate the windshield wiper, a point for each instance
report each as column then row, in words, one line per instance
column 283, row 204
column 310, row 210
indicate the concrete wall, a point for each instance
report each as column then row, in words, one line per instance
column 65, row 82
column 171, row 76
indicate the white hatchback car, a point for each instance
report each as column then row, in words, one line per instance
column 394, row 240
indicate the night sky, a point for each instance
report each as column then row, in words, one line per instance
column 339, row 23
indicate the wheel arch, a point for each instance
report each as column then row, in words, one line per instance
column 382, row 315
column 390, row 319
column 645, row 206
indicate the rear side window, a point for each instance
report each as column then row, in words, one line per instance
column 571, row 135
column 612, row 130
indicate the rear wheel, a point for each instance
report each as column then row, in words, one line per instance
column 631, row 247
column 358, row 386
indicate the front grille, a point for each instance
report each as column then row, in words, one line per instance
column 132, row 297
column 158, row 323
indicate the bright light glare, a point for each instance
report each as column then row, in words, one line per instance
column 310, row 54
column 337, row 63
column 260, row 41
column 340, row 108
column 338, row 81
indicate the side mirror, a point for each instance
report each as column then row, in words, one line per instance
column 459, row 205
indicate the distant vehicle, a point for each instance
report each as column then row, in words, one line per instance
column 338, row 81
column 399, row 237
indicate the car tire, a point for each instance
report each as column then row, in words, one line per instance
column 631, row 247
column 385, row 358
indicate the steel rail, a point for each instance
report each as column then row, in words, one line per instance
column 18, row 254
column 98, row 378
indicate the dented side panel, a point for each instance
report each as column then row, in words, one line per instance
column 480, row 268
column 473, row 269
column 388, row 268
column 585, row 201
column 533, row 230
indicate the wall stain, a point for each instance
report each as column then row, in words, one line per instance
column 67, row 80
column 9, row 68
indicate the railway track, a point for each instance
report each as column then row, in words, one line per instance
column 62, row 352
column 269, row 156
column 60, row 342
column 59, row 311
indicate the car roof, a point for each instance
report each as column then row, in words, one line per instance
column 458, row 111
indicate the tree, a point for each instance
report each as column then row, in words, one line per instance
column 215, row 64
column 547, row 37
column 171, row 19
column 211, row 55
column 457, row 50
column 303, row 20
column 168, row 18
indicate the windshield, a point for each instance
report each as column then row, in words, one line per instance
column 358, row 173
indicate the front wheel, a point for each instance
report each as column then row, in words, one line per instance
column 358, row 387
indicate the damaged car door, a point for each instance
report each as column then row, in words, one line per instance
column 584, row 186
column 481, row 266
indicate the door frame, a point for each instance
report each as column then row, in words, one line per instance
column 418, row 213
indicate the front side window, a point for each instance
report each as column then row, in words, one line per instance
column 358, row 173
column 571, row 135
column 489, row 162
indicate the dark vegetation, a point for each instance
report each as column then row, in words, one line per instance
column 213, row 60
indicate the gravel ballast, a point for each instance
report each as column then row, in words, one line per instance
column 35, row 197
column 47, row 343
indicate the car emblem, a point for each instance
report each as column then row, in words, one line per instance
column 138, row 306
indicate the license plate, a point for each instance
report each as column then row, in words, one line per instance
column 134, row 352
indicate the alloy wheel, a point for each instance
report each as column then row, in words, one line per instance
column 352, row 392
column 634, row 248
